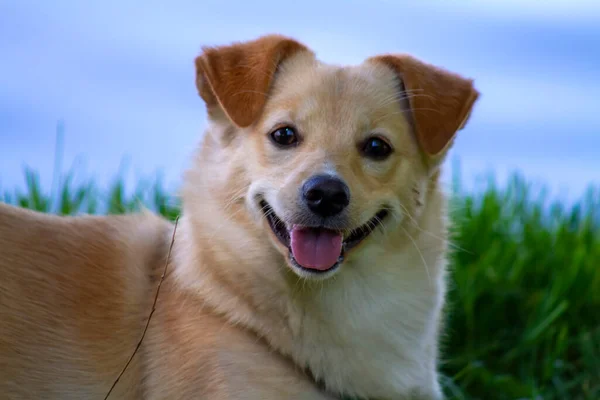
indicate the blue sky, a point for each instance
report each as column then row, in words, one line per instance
column 120, row 75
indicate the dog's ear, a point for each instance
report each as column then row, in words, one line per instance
column 440, row 101
column 236, row 78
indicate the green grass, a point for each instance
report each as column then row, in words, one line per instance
column 524, row 308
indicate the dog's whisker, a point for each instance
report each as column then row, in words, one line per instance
column 416, row 225
column 396, row 99
column 406, row 96
column 413, row 241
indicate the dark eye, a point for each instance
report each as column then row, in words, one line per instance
column 376, row 148
column 284, row 136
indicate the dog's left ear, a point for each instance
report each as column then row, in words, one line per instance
column 440, row 101
column 235, row 79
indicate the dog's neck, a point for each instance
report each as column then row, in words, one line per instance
column 359, row 332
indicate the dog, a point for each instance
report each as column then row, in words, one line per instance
column 309, row 262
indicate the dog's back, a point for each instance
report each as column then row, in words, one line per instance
column 74, row 296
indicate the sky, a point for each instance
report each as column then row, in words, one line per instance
column 119, row 77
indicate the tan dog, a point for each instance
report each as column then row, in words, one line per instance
column 309, row 262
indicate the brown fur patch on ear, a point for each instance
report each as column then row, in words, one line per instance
column 441, row 101
column 236, row 78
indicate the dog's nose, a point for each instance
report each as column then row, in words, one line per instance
column 325, row 195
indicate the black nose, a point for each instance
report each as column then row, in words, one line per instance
column 325, row 195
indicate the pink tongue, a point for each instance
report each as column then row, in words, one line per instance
column 315, row 248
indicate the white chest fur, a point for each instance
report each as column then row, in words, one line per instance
column 372, row 331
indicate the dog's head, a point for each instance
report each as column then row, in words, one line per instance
column 329, row 157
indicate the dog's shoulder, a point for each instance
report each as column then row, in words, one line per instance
column 112, row 252
column 18, row 223
column 38, row 240
column 74, row 294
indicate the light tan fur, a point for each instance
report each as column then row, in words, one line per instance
column 234, row 319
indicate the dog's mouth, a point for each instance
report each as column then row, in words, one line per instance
column 318, row 249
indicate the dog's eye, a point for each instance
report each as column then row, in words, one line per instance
column 376, row 148
column 284, row 136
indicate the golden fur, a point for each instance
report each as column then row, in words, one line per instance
column 234, row 319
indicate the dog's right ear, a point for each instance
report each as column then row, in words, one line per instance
column 235, row 79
